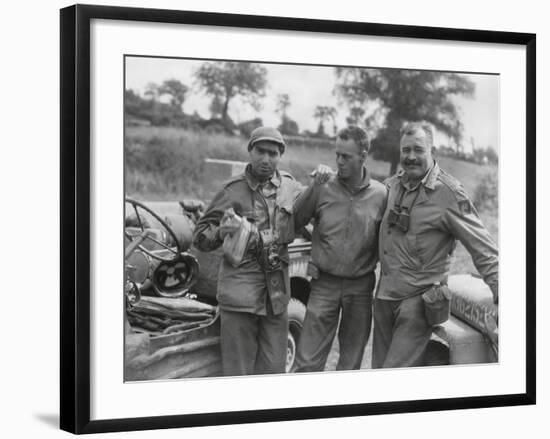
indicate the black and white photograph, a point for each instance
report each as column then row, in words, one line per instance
column 275, row 219
column 284, row 218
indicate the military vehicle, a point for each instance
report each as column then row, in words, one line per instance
column 172, row 328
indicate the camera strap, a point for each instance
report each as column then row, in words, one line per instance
column 403, row 204
column 399, row 198
column 399, row 215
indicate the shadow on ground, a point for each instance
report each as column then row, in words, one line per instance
column 51, row 420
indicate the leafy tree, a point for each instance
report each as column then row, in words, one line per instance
column 157, row 113
column 355, row 115
column 152, row 91
column 324, row 114
column 134, row 105
column 398, row 96
column 287, row 126
column 248, row 126
column 216, row 107
column 227, row 80
column 283, row 102
column 446, row 150
column 175, row 89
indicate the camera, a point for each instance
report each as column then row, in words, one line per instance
column 270, row 257
column 269, row 251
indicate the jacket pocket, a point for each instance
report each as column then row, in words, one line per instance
column 285, row 224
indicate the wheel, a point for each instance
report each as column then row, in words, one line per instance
column 141, row 210
column 173, row 279
column 296, row 316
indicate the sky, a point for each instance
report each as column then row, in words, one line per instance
column 309, row 86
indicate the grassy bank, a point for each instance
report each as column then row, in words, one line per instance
column 164, row 163
column 169, row 163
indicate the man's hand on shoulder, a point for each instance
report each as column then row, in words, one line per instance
column 322, row 174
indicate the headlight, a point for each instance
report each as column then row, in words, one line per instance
column 138, row 267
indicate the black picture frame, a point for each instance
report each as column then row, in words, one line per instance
column 75, row 217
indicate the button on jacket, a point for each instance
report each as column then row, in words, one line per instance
column 440, row 212
column 243, row 288
column 345, row 225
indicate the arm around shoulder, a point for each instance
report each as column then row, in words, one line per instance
column 306, row 205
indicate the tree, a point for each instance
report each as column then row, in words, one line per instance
column 216, row 107
column 492, row 155
column 287, row 126
column 226, row 80
column 175, row 89
column 151, row 109
column 134, row 104
column 248, row 126
column 152, row 91
column 400, row 96
column 355, row 115
column 324, row 114
column 283, row 102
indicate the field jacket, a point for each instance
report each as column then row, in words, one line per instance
column 345, row 225
column 440, row 212
column 244, row 288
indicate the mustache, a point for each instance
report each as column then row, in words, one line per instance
column 411, row 162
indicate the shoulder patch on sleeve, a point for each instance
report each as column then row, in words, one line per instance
column 465, row 207
column 459, row 195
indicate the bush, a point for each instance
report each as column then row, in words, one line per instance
column 288, row 127
column 167, row 163
column 486, row 193
column 247, row 127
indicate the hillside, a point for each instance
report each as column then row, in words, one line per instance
column 169, row 163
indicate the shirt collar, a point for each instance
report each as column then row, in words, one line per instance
column 365, row 181
column 253, row 181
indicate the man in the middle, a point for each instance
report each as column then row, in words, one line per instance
column 346, row 213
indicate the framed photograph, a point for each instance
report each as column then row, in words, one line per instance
column 340, row 214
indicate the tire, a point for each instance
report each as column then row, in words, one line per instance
column 296, row 316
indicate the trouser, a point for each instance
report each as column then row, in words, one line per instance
column 253, row 344
column 401, row 332
column 331, row 296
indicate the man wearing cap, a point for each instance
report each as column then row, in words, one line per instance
column 427, row 211
column 253, row 296
column 346, row 213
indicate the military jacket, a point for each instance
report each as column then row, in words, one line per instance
column 440, row 212
column 345, row 225
column 244, row 288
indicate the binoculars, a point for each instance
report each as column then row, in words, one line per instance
column 399, row 217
